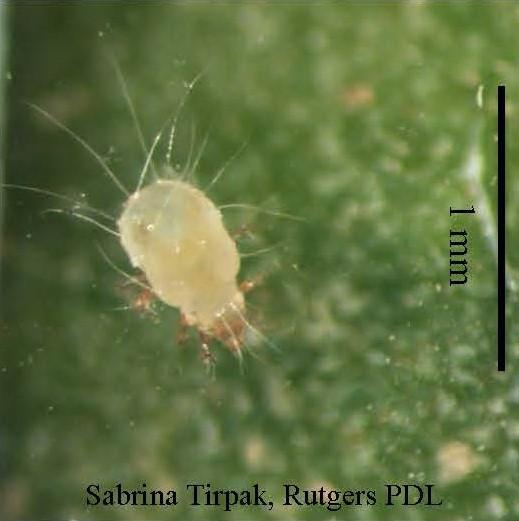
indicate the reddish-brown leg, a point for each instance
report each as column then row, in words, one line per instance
column 249, row 285
column 243, row 231
column 144, row 301
column 181, row 335
column 207, row 357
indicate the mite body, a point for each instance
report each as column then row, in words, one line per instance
column 176, row 236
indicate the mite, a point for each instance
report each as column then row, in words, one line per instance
column 175, row 235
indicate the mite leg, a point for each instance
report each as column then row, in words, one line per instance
column 144, row 302
column 243, row 231
column 207, row 357
column 249, row 285
column 183, row 325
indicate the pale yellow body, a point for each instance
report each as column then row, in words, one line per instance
column 176, row 236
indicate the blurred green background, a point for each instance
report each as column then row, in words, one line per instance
column 362, row 119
